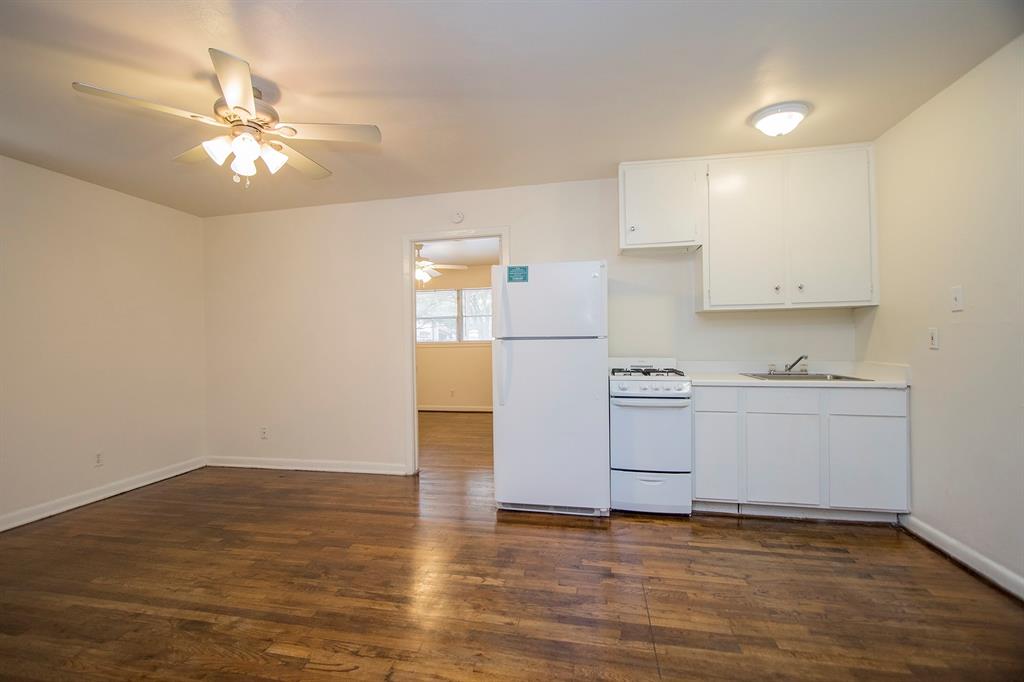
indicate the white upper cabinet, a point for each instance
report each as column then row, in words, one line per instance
column 662, row 204
column 790, row 230
column 828, row 219
column 745, row 238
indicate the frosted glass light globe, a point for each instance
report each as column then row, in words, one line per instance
column 245, row 147
column 780, row 119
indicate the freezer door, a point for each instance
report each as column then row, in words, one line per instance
column 550, row 300
column 551, row 422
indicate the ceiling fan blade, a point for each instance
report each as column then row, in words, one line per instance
column 302, row 163
column 443, row 266
column 235, row 81
column 194, row 155
column 432, row 272
column 135, row 101
column 332, row 132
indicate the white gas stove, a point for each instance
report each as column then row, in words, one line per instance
column 651, row 429
column 649, row 381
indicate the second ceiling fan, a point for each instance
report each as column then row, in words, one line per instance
column 254, row 127
column 426, row 270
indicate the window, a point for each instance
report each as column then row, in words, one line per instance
column 437, row 315
column 476, row 314
column 453, row 315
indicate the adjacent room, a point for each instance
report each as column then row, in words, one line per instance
column 648, row 340
column 453, row 352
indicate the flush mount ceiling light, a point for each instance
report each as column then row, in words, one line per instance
column 250, row 120
column 780, row 119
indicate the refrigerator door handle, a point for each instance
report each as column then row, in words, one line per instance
column 503, row 373
column 506, row 372
column 506, row 315
column 499, row 372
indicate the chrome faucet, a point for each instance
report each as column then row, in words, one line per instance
column 789, row 368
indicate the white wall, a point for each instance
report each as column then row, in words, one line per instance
column 306, row 323
column 951, row 211
column 101, row 341
column 455, row 376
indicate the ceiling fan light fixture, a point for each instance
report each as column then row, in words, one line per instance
column 245, row 147
column 422, row 275
column 780, row 119
column 219, row 149
column 273, row 158
column 244, row 167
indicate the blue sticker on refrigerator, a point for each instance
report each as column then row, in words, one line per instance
column 519, row 273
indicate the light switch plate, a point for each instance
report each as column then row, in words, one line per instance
column 933, row 338
column 956, row 303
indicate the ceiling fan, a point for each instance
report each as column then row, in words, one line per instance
column 426, row 270
column 253, row 125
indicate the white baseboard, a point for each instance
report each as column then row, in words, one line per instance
column 453, row 408
column 20, row 517
column 783, row 512
column 337, row 466
column 996, row 572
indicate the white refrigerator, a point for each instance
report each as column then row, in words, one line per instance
column 550, row 368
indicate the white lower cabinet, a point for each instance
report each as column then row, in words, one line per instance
column 784, row 459
column 716, row 456
column 842, row 448
column 867, row 462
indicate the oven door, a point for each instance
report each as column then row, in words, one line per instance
column 652, row 434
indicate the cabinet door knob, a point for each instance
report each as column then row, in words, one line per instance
column 632, row 228
column 800, row 287
column 778, row 288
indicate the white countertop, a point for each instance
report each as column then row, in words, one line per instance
column 720, row 374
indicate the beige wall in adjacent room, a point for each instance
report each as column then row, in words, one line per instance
column 455, row 376
column 101, row 341
column 951, row 212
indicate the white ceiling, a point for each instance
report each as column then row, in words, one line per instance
column 482, row 251
column 468, row 95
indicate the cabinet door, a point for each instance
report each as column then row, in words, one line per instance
column 716, row 456
column 783, row 459
column 746, row 248
column 867, row 462
column 664, row 203
column 828, row 219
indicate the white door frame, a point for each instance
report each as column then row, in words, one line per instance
column 409, row 312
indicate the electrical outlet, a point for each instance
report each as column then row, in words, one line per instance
column 772, row 367
column 933, row 338
column 98, row 461
column 956, row 296
column 802, row 367
column 264, row 433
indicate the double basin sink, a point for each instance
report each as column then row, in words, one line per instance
column 800, row 376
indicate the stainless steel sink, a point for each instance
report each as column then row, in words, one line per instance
column 800, row 376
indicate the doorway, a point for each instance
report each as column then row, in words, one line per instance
column 451, row 329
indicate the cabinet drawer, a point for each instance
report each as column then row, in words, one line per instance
column 716, row 399
column 878, row 402
column 783, row 400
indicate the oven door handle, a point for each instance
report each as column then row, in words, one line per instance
column 651, row 402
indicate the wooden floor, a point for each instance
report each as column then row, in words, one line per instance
column 235, row 574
